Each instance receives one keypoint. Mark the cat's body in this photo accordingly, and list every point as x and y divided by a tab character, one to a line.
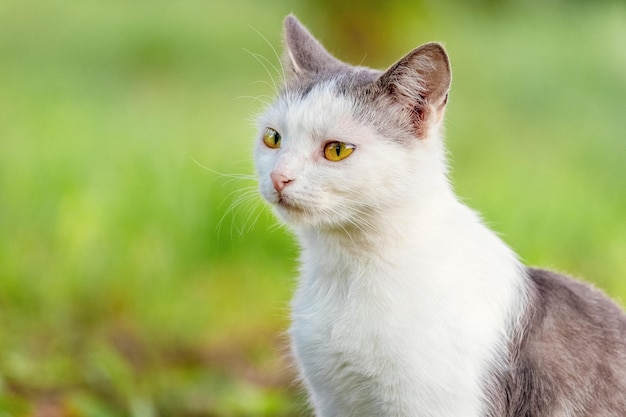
407	305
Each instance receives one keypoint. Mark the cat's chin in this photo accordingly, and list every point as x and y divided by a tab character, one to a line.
291	213
297	217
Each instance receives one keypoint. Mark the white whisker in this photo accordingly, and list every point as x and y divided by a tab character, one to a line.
244	198
247	201
274	226
258	58
280	63
256	98
280	74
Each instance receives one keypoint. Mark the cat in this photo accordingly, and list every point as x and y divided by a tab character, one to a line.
406	303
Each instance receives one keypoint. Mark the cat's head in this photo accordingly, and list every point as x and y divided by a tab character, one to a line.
341	144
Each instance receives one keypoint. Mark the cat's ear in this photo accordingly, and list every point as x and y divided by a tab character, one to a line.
420	82
304	55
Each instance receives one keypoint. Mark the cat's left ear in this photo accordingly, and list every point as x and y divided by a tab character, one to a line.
304	55
420	82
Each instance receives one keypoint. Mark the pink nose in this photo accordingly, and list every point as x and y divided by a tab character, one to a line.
279	180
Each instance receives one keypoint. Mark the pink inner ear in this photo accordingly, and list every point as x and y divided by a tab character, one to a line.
423	75
420	117
420	82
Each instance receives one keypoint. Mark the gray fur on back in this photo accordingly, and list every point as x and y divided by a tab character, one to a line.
568	357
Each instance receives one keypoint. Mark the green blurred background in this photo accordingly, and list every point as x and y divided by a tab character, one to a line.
136	282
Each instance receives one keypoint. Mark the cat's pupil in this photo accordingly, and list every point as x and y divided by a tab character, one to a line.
338	149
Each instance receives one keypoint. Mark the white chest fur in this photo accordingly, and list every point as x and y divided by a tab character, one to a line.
409	327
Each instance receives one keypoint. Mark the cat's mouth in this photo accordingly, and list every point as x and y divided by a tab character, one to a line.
288	204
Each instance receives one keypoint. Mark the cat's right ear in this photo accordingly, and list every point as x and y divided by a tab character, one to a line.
304	55
420	83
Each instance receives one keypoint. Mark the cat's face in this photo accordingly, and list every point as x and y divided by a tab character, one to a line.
342	144
328	167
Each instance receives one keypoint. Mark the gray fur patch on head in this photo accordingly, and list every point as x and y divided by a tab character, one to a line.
402	102
347	80
372	105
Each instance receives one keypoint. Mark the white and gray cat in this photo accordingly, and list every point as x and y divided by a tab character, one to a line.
407	305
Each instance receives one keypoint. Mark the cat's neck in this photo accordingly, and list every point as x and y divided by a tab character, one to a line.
436	238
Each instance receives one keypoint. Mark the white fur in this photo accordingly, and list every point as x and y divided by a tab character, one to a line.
405	299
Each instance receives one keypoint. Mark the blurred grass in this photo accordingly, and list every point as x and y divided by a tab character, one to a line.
128	286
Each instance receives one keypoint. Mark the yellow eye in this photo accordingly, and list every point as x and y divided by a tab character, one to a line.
336	151
271	138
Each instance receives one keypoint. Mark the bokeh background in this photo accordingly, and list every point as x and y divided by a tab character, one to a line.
140	275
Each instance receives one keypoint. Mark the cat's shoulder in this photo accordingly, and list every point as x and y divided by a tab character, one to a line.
555	297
